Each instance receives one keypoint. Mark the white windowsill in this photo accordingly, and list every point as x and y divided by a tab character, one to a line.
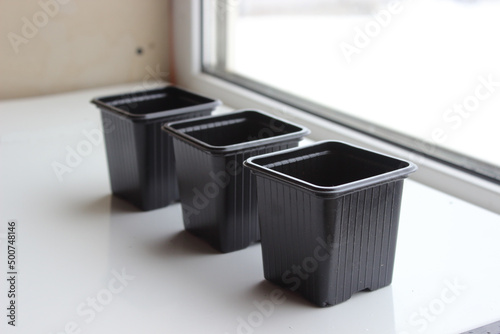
73	234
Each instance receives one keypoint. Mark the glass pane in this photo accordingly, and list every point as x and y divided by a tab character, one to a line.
426	69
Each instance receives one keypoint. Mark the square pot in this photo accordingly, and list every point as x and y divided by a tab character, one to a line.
140	156
329	215
217	194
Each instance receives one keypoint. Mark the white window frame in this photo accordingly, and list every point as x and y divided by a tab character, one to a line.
185	44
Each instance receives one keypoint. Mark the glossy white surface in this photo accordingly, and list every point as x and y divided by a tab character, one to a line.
74	237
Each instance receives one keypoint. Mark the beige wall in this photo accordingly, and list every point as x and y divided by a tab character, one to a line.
51	46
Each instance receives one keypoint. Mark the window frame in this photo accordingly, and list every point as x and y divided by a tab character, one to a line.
186	67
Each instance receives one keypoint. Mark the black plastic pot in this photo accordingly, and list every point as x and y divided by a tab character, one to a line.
217	195
329	217
140	156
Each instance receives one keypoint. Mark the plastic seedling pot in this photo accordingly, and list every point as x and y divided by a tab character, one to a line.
217	194
329	215
140	156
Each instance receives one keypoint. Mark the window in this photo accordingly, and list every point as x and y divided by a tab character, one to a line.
205	34
423	74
